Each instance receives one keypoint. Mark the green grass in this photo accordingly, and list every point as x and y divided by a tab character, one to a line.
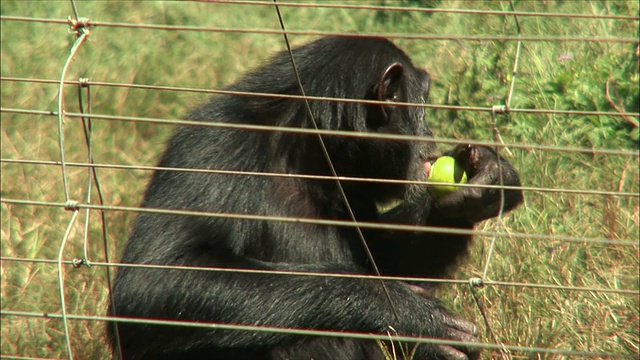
552	75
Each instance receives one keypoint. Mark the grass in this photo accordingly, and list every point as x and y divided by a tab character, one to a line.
551	75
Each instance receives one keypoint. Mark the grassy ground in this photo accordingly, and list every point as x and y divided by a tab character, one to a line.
551	75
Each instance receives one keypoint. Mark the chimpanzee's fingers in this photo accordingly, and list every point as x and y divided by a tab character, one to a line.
461	325
450	353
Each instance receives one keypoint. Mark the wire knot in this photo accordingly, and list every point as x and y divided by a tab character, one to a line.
72	205
76	263
83	82
79	26
476	282
499	109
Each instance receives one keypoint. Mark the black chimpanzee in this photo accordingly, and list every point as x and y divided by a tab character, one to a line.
337	67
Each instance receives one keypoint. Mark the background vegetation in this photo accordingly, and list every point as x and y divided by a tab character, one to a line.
552	75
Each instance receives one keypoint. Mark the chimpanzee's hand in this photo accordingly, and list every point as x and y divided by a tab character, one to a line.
483	168
456	329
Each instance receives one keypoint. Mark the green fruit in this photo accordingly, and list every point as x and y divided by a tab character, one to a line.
445	170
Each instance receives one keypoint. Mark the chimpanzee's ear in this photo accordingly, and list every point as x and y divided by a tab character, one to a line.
388	86
389	82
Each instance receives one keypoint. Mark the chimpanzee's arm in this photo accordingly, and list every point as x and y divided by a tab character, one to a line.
285	301
432	253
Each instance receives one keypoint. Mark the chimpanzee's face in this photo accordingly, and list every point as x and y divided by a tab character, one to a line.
389	158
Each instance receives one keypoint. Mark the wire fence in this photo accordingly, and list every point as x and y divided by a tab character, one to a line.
90	192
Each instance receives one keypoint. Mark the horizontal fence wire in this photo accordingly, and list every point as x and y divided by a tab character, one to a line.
329	33
317	177
325	333
301	220
78	262
357	134
329	99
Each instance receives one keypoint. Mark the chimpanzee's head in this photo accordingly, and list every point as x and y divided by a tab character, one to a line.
352	68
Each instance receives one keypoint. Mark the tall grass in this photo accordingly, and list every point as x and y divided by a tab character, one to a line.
552	75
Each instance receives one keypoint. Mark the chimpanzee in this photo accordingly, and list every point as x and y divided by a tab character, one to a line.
355	68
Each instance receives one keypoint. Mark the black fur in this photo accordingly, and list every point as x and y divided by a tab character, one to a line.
354	68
